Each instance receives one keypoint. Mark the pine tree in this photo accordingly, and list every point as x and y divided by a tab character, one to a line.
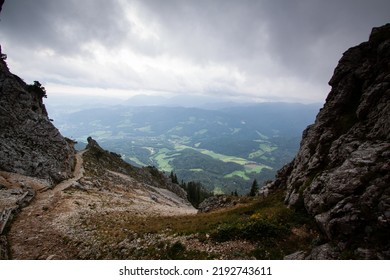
254	188
173	178
196	193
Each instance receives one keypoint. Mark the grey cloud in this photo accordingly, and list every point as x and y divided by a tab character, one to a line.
63	25
303	36
203	29
209	30
309	36
297	39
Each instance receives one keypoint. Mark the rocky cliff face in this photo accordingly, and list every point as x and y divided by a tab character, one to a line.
29	142
341	174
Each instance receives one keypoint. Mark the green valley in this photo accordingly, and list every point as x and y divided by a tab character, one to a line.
224	149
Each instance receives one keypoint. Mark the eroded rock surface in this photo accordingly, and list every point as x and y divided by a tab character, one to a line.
341	174
29	143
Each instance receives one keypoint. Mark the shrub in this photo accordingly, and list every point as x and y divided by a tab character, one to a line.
263	224
255	230
38	89
176	251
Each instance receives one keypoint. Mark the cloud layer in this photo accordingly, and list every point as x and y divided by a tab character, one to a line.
250	50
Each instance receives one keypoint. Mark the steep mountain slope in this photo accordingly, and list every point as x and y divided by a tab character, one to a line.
30	145
341	173
46	189
103	187
29	142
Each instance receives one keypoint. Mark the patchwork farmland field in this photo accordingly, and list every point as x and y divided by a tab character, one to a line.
224	149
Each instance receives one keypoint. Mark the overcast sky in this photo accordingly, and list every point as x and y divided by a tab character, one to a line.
264	50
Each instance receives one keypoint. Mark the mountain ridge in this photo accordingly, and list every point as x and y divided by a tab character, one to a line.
30	143
45	187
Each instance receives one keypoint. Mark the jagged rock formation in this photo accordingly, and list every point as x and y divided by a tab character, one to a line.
29	142
341	174
217	202
29	145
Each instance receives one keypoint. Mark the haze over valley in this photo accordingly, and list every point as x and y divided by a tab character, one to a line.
224	148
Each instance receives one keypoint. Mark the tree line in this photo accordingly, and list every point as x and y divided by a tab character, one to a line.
196	192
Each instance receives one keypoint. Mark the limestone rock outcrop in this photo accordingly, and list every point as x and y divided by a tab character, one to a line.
29	142
341	174
217	202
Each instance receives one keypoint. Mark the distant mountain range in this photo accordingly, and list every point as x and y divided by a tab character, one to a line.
223	148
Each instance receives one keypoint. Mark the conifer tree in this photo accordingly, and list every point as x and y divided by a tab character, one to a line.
254	188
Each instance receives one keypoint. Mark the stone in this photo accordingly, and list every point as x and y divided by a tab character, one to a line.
29	142
341	173
300	255
217	202
3	248
324	252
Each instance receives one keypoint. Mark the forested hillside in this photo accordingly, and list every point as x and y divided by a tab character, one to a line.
224	149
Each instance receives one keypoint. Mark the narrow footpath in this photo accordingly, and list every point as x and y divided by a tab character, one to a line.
32	234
